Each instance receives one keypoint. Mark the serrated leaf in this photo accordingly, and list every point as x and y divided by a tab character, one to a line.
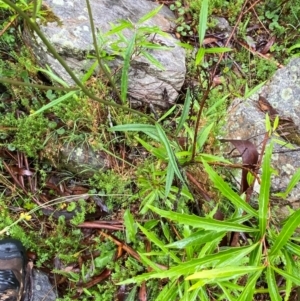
198	238
202	222
125	69
272	285
224	272
264	193
227	257
286	232
227	192
154	239
150	15
185	110
172	159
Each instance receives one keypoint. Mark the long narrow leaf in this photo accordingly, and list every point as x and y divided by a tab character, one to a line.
289	266
125	69
248	291
272	285
294	278
54	103
264	193
226	292
226	257
202	222
185	110
199	238
203	21
293	182
203	136
227	192
150	15
133	127
169	179
165	141
286	232
224	272
158	243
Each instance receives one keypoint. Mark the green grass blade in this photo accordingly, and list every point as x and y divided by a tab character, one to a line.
226	292
293	182
203	136
264	194
227	257
159	243
125	69
202	21
288	276
272	285
198	238
133	127
286	232
169	179
202	222
130	226
224	272
185	110
249	289
169	292
217	50
227	192
120	27
54	103
289	266
152	60
149	15
165	141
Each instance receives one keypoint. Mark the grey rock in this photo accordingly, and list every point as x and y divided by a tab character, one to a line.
246	121
222	25
70	33
81	160
41	287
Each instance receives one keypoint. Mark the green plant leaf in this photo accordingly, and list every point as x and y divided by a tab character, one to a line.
203	136
169	292
249	289
123	24
132	295
227	192
169	179
54	103
159	243
227	257
249	93
202	21
293	182
286	232
152	60
226	292
199	56
125	69
289	266
202	222
294	278
130	226
264	193
185	110
224	272
150	15
165	141
217	50
272	285
198	238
